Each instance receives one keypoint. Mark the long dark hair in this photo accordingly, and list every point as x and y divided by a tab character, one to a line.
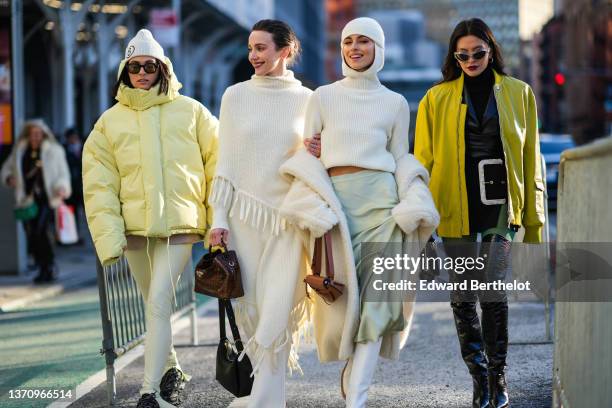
282	35
476	27
163	79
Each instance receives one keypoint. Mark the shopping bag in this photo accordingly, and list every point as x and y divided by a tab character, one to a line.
65	225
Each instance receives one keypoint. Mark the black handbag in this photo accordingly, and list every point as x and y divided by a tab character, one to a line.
233	375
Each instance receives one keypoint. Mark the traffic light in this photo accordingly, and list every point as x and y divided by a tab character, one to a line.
559	79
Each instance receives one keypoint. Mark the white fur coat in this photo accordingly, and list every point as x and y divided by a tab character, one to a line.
312	205
56	174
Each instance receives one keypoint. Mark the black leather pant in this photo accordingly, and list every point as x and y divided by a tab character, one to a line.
490	334
37	231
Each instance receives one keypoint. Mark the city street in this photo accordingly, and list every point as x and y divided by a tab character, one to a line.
429	374
50	344
484	125
54	342
66	326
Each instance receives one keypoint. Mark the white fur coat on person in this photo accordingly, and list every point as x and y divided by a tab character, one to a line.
56	175
313	207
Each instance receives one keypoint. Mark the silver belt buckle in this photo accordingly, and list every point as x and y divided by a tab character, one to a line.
482	182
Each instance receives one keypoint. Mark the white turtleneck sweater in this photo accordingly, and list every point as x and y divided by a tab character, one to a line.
362	123
260	127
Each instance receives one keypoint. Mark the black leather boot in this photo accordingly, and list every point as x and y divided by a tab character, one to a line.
480	393
50	273
498	389
495	332
472	350
41	277
494	306
46	274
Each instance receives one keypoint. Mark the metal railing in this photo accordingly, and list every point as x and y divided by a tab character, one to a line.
123	314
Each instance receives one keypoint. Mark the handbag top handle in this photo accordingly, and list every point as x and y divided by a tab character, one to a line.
223	246
329	257
223	306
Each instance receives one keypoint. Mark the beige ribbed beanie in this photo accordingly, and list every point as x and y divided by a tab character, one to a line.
143	44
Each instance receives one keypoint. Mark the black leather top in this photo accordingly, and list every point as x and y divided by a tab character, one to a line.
483	141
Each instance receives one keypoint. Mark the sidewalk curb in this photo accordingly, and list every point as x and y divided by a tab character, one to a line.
98	378
46	293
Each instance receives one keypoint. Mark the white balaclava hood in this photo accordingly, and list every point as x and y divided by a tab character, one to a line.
370	28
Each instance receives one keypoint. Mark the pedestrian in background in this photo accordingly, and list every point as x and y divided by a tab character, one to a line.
74	155
261	126
477	135
147	168
378	189
38	172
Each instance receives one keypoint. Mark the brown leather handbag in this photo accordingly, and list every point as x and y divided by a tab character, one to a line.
218	275
325	286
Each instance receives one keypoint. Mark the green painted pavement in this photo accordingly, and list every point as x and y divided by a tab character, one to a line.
53	344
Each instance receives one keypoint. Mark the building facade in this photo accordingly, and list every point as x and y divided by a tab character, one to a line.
442	16
587	64
339	12
573	70
62	58
549	85
308	20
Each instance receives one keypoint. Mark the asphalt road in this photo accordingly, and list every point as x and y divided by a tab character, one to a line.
428	374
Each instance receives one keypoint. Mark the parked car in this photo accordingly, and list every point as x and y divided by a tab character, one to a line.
551	147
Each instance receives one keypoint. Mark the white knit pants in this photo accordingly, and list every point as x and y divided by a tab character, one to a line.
152	268
269	385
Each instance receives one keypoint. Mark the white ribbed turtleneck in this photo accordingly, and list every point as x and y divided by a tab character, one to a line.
260	126
361	83
362	123
287	80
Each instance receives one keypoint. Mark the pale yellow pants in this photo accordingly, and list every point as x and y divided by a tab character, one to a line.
153	267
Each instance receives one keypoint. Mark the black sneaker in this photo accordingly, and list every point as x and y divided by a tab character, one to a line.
171	385
147	401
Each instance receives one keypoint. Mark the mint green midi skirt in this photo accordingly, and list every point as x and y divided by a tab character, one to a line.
367	198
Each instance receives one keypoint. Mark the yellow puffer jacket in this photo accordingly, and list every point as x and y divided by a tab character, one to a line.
147	168
440	146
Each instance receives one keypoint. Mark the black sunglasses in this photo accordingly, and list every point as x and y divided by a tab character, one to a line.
149	67
465	57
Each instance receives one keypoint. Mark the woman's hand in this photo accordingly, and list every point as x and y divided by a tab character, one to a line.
313	145
61	193
11	181
218	236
